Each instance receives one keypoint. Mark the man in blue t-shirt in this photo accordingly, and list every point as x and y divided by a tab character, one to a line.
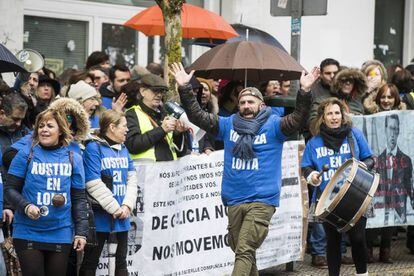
253	141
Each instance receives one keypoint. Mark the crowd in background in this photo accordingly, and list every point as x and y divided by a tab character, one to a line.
111	115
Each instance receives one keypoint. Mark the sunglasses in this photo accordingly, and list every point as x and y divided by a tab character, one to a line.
347	80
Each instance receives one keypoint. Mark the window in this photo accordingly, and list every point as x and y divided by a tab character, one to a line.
62	42
119	43
389	31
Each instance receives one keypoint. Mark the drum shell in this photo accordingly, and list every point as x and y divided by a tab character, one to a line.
353	199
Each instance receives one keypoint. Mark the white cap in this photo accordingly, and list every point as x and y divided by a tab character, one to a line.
82	91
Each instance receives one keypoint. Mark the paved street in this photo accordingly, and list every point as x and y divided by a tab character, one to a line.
403	264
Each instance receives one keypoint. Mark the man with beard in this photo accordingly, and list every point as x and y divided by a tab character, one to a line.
119	75
253	141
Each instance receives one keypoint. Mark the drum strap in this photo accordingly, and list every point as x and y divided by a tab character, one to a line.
351	144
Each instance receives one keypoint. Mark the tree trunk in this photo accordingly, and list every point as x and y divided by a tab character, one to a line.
171	10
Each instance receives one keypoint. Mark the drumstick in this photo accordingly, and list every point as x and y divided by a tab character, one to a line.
324	169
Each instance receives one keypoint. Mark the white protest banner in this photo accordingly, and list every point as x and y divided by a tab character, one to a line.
387	133
183	223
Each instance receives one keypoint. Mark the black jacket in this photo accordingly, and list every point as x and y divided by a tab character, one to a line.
136	142
209	122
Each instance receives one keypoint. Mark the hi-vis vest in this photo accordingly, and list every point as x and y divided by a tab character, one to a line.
145	125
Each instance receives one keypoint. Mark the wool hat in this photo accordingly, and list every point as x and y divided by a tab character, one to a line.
82	91
251	91
207	82
154	82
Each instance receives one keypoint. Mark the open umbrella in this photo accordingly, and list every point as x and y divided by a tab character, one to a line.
248	61
8	62
196	22
255	34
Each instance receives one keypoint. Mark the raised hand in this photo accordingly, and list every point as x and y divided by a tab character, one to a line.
307	80
119	104
180	75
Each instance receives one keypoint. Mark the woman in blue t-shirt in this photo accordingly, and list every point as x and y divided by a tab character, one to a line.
111	182
48	193
330	146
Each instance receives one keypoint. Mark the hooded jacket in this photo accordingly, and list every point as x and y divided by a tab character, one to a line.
371	107
352	101
72	107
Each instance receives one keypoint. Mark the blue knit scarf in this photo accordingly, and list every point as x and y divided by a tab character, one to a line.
247	129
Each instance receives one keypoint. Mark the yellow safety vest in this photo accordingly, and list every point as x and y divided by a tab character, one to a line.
145	125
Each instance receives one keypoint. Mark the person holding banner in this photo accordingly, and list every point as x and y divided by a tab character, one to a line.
48	193
107	157
331	144
253	141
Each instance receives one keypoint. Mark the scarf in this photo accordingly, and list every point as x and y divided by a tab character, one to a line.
247	129
333	138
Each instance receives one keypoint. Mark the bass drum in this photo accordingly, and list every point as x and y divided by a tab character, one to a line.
347	195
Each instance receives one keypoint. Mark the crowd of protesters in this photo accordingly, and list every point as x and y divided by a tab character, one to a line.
55	129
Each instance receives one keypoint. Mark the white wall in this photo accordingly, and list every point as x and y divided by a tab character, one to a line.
346	33
11	29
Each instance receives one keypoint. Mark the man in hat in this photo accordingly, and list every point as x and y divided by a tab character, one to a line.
152	134
253	141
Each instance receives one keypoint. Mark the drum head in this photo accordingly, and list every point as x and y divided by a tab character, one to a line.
336	187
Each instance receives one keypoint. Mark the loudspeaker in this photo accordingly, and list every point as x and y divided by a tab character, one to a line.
31	59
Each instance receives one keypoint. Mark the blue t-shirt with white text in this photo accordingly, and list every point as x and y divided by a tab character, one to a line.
101	158
49	172
316	155
256	180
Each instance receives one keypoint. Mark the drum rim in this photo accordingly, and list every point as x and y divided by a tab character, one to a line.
364	205
320	212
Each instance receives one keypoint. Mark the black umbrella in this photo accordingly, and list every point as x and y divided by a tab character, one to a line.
8	62
255	35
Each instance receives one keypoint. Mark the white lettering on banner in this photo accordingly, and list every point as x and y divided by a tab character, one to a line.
114	163
240	164
51	169
182	227
324	151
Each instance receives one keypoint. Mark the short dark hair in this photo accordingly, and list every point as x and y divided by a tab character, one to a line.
155	68
402	79
118	67
11	102
78	76
410	68
394	117
328	61
96	58
98	67
132	91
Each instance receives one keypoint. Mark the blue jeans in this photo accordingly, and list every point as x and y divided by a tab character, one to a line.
317	240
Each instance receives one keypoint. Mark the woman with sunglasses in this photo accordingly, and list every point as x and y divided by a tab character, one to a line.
349	85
